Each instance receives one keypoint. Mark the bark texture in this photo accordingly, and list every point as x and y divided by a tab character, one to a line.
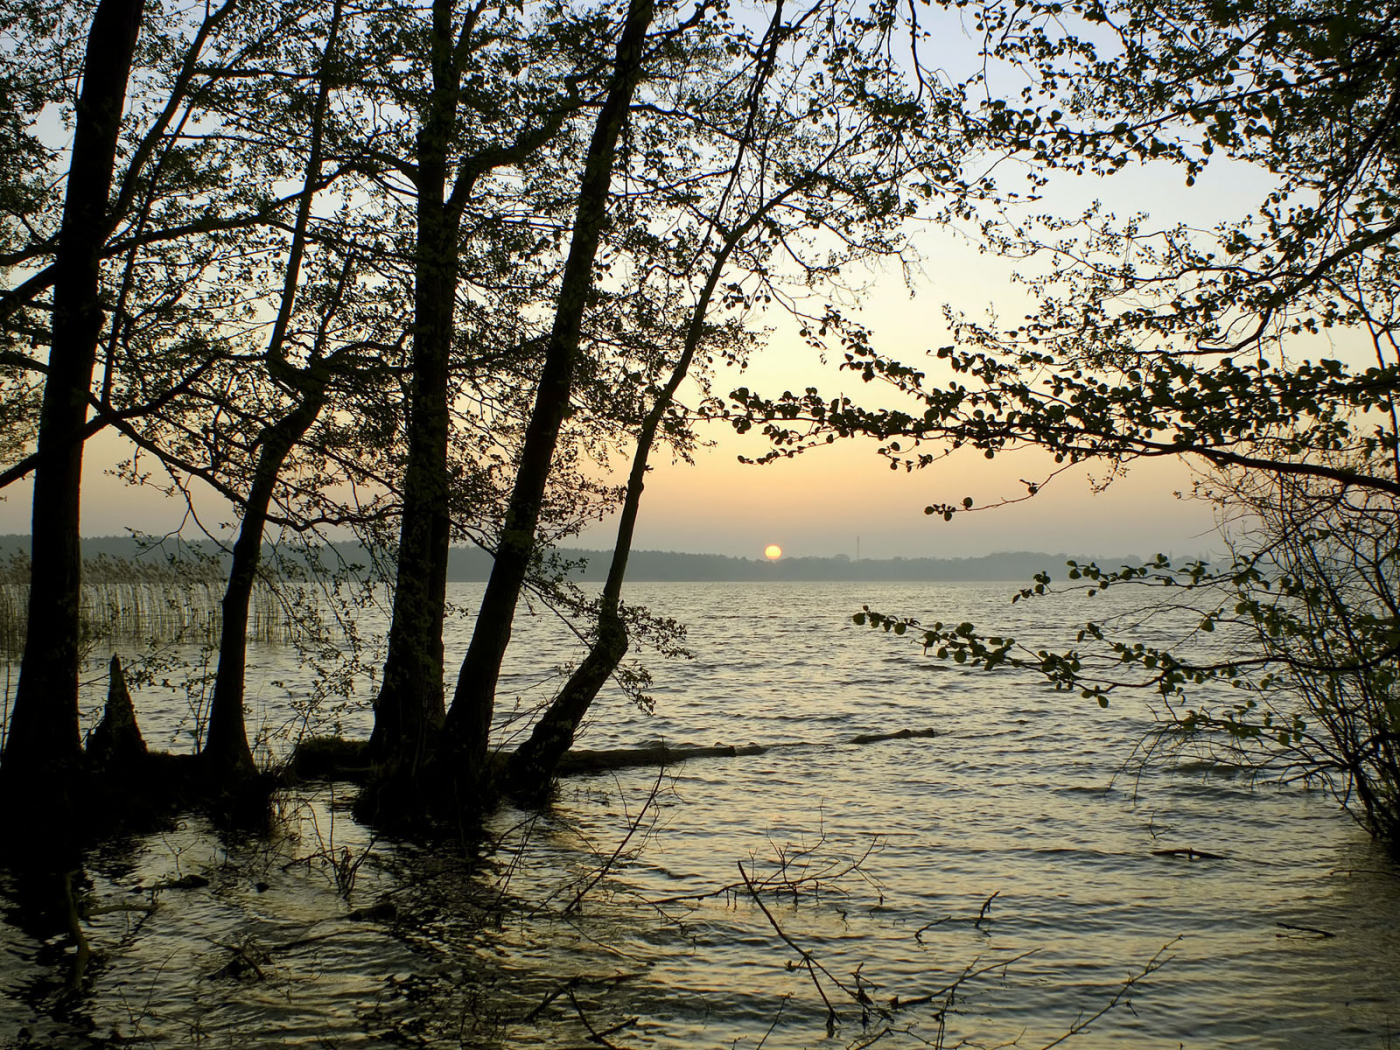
410	705
43	748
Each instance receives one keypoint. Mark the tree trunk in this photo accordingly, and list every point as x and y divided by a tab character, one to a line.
116	746
226	752
469	722
410	704
532	766
43	747
410	710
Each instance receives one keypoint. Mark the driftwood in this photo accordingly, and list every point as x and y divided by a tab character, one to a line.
902	734
1303	929
1188	853
331	758
575	762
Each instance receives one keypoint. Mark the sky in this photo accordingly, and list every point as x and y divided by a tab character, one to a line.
845	499
840	499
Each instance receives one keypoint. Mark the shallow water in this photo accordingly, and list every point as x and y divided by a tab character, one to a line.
879	859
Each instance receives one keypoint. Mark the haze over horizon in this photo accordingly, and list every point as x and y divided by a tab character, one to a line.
803	506
838	500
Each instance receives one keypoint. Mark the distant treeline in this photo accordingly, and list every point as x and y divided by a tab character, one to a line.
668	565
470	564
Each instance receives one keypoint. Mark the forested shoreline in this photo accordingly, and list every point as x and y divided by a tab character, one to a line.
473	565
458	273
463	273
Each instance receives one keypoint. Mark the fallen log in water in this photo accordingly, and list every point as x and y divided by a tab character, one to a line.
575	762
901	734
1188	853
331	758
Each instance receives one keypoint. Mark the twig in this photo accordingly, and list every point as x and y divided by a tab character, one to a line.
810	963
779	879
82	951
986	905
887	1030
782	1005
601	1038
607	866
1304	929
240	952
970	971
918	934
549	997
1153	965
570	984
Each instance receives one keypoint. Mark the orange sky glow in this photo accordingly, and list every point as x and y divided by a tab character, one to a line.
840	499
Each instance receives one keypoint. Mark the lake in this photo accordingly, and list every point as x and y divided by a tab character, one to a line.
626	914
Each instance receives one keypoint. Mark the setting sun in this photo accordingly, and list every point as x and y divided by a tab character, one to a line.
772	552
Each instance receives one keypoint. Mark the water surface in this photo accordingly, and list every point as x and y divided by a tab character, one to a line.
875	859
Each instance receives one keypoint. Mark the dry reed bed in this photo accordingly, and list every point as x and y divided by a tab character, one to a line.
143	601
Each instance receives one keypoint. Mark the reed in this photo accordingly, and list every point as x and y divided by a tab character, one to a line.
140	602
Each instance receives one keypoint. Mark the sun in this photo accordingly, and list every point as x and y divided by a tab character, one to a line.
772	552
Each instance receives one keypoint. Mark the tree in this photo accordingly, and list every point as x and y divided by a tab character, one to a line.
469	721
226	744
1314	581
461	139
172	256
753	165
1191	343
42	752
799	160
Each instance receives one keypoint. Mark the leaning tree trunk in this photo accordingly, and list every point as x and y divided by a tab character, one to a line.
43	749
469	721
226	753
532	765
